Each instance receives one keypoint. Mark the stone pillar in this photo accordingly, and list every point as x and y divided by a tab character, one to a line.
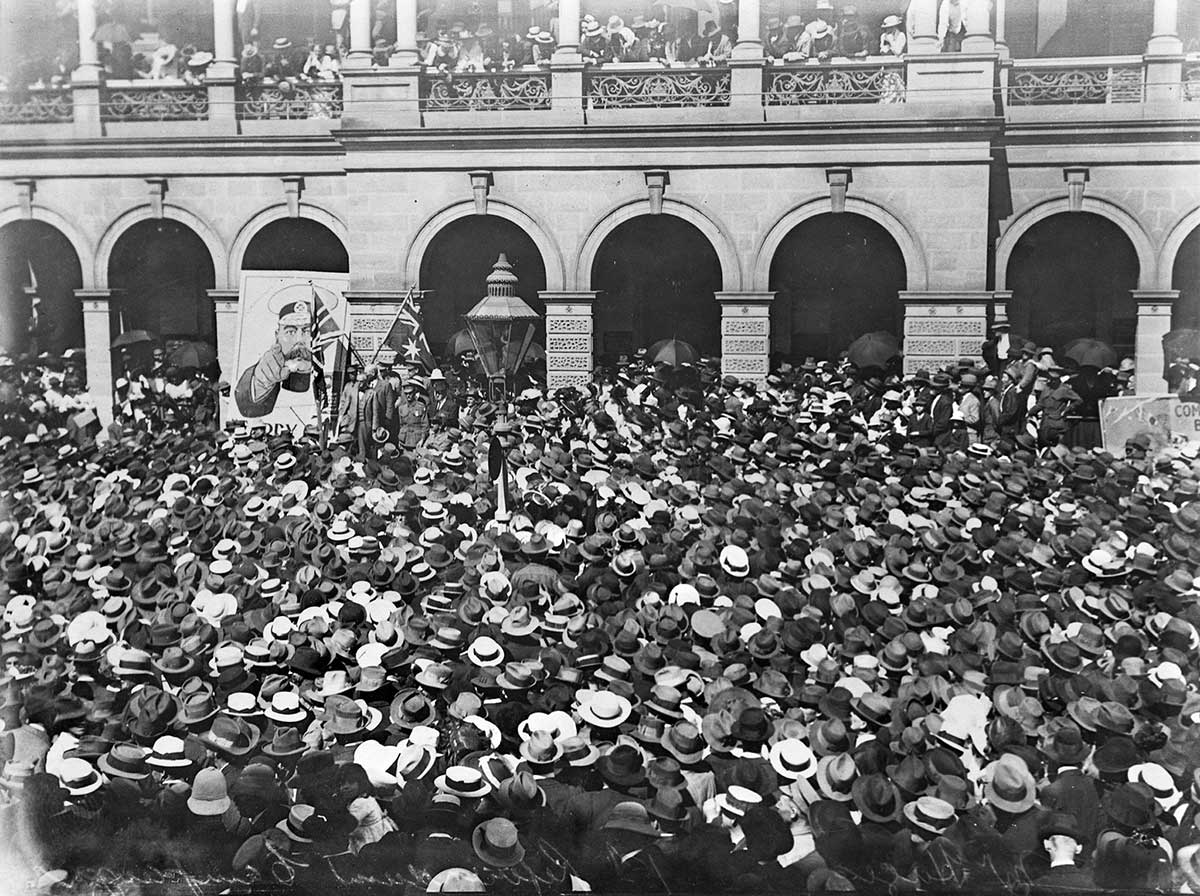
569	346
405	53
566	68
941	327
97	342
568	28
371	316
979	37
922	27
1001	31
88	71
225	307
1000	301
746	334
749	43
746	64
1153	323
221	79
1164	55
360	34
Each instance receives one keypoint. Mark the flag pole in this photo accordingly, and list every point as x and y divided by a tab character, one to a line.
399	309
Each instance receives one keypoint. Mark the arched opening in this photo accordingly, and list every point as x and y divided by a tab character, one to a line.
37	260
655	276
296	244
455	267
160	272
835	277
1071	276
1185	277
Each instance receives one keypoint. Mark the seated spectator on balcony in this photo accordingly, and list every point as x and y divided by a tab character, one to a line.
380	51
444	55
330	68
952	25
718	45
339	23
594	46
197	66
639	49
892	41
165	61
252	62
470	54
819	40
852	37
538	48
619	36
658	45
120	62
775	40
510	50
284	62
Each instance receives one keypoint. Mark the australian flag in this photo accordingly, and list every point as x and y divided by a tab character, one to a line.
407	336
325	332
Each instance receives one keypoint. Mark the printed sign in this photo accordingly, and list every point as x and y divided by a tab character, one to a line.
273	371
1164	419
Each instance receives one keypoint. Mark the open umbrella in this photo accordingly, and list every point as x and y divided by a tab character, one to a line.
1088	352
133	337
459	343
1181	344
111	33
673	352
534	355
191	354
873	349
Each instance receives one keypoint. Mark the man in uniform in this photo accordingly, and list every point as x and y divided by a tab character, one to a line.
286	364
413	414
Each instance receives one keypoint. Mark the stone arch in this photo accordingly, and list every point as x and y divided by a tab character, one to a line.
216	248
551	255
247	232
905	237
83	248
722	242
1171	246
1147	260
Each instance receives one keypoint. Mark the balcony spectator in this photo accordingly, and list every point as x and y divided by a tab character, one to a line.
470	54
165	61
286	60
819	40
380	51
444	55
538	47
718	45
952	25
252	62
383	21
196	66
510	50
249	18
639	49
893	41
594	45
330	66
339	23
120	62
619	36
852	37
775	41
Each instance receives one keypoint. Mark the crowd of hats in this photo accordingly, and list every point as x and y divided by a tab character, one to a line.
720	640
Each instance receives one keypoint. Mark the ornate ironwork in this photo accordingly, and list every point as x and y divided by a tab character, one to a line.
666	89
182	102
291	100
36	106
1191	80
485	92
1075	85
834	84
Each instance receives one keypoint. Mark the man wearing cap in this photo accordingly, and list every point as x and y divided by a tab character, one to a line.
287	364
412	414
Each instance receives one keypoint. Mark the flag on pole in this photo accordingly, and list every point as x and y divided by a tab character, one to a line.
407	336
325	332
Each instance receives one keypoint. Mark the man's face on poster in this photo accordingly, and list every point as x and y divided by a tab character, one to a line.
293	339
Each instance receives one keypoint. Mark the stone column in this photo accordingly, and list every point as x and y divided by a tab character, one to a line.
1153	323
749	43
979	37
1000	301
360	34
1164	55
89	69
922	27
569	346
1001	19
97	339
941	327
225	307
405	53
568	28
746	334
221	79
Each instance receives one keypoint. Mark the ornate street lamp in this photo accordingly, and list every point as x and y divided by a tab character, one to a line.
501	327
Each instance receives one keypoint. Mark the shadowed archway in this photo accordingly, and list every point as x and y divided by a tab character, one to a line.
34	252
296	244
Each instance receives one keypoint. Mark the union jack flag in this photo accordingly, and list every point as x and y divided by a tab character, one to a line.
407	336
325	332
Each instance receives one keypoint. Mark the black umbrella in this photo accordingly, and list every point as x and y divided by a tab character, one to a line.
1183	343
873	349
459	343
133	337
673	352
191	354
1088	352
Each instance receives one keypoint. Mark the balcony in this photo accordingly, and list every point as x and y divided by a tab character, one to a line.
151	101
38	105
1055	82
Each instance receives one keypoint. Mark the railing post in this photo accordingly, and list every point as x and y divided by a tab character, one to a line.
1164	55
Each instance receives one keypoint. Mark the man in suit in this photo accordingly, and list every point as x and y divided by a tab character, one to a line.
1062	841
351	405
442	406
941	412
381	399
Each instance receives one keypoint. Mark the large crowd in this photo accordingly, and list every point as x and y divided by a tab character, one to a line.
712	637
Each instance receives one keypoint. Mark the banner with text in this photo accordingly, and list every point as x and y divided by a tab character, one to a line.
272	380
1164	419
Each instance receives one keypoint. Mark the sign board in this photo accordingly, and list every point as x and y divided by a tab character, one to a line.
271	382
1165	419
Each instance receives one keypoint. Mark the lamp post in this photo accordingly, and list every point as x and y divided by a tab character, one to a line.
501	327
